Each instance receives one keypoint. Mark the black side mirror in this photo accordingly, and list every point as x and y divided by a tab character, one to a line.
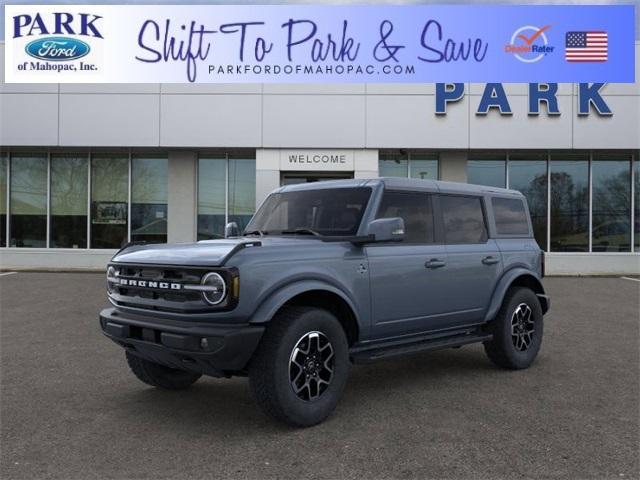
386	229
231	230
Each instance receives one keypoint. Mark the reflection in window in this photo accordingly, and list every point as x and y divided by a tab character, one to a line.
211	197
528	174
569	204
463	219
486	170
510	216
242	191
149	195
611	205
416	211
28	201
3	200
69	201
109	196
423	167
393	164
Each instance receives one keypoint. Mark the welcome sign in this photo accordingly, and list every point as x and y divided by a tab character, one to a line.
327	44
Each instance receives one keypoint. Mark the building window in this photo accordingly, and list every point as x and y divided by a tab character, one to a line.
528	174
68	208
636	189
28	208
483	169
399	163
109	199
149	196
569	203
212	174
242	190
4	165
611	204
226	192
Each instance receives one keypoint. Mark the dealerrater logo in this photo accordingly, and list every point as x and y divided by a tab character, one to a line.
56	38
529	44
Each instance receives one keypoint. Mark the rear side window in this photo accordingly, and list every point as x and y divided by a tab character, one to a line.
463	219
511	216
415	209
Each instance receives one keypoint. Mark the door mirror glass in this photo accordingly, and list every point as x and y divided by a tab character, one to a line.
387	229
231	230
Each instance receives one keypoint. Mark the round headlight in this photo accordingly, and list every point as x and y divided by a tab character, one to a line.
215	290
111	273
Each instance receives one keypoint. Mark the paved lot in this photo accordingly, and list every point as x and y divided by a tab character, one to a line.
71	410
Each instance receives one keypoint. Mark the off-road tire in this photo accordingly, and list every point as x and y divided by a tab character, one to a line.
270	369
502	349
160	376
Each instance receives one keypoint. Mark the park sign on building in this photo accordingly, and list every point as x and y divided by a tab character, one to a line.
319	44
494	97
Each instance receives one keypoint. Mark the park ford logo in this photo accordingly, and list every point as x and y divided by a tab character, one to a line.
57	49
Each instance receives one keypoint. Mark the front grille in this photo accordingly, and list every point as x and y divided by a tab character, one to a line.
154	293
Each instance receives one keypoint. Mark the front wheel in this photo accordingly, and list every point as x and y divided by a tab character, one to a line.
300	368
517	330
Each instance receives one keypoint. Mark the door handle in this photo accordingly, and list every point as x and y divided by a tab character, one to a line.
434	263
490	260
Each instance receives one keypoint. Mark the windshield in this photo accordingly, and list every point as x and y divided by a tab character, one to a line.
327	212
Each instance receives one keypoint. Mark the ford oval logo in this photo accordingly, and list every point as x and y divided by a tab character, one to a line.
57	49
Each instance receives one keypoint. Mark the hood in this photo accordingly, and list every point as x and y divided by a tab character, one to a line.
212	253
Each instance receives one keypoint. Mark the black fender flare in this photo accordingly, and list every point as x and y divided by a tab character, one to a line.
282	295
517	275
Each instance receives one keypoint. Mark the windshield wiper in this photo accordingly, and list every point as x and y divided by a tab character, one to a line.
261	233
302	231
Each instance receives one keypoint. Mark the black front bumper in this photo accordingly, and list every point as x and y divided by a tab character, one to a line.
215	350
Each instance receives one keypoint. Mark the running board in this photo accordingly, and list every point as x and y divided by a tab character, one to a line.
383	352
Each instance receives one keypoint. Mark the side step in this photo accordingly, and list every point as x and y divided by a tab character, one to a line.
424	345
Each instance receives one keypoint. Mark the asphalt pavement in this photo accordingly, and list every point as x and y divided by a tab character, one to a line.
70	409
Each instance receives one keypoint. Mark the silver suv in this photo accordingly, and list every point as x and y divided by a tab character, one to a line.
326	275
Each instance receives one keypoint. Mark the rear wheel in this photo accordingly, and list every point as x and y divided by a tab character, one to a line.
517	330
300	368
160	376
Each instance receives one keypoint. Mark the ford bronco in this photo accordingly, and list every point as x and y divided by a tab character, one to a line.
329	274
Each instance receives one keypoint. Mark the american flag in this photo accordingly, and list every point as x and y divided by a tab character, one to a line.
586	47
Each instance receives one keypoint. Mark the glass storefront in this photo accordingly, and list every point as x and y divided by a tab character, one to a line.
611	204
226	191
580	201
400	163
569	207
68	207
487	169
109	200
28	202
528	174
4	165
149	196
558	186
242	190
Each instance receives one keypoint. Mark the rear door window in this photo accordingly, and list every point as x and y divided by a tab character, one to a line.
416	211
463	219
510	216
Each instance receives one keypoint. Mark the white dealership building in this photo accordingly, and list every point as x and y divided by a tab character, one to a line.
85	168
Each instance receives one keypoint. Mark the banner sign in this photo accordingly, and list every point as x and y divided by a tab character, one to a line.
325	44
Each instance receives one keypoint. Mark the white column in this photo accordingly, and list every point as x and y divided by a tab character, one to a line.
453	166
365	164
267	173
182	196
